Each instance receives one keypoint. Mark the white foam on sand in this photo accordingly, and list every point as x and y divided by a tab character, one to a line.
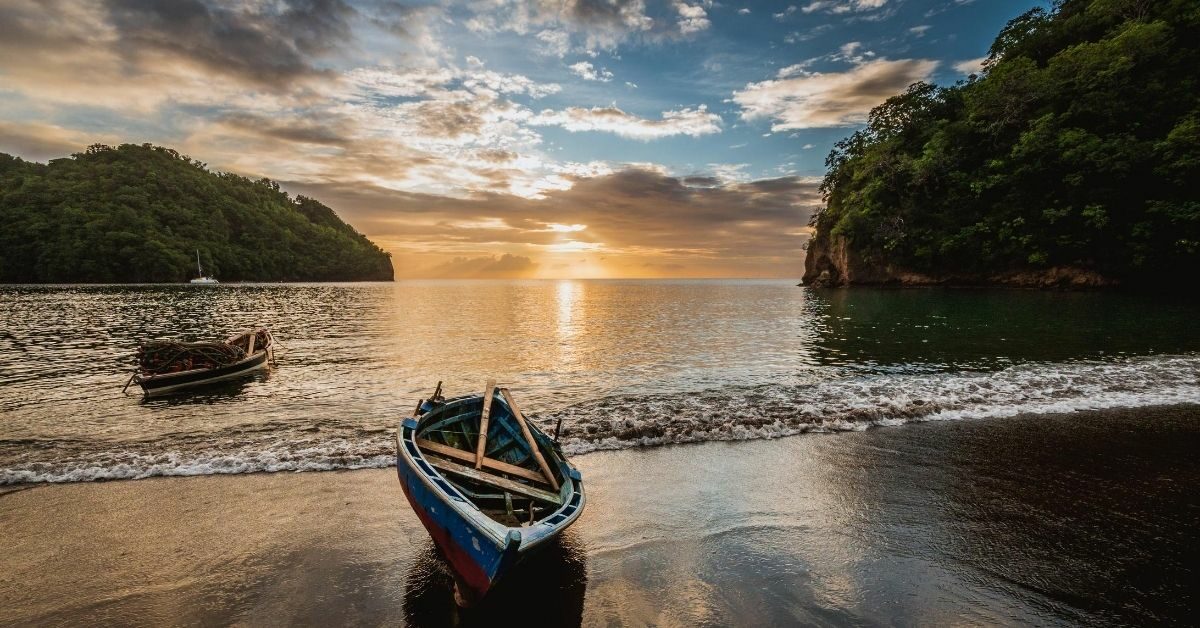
861	402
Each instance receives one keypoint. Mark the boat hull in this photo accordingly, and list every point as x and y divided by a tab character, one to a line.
475	570
154	385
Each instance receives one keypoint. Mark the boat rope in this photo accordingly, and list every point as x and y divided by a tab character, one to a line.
131	378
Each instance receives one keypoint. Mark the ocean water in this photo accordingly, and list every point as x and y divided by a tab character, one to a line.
623	364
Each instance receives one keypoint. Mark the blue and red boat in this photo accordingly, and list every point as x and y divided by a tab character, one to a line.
489	486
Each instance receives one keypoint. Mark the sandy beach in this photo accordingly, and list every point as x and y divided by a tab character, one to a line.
1057	519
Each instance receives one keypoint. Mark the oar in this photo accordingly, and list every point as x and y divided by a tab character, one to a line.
483	422
537	455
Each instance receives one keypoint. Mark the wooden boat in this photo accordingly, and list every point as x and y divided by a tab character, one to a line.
486	501
166	366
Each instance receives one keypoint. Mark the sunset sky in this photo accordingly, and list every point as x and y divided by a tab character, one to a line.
585	138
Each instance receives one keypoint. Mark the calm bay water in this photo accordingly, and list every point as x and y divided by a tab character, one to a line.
623	363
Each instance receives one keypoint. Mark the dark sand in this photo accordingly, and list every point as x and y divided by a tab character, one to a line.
1084	518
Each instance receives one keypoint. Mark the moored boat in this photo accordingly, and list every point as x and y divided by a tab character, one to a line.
201	278
168	366
489	486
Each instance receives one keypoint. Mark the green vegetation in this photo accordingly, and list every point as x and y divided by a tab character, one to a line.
138	214
1078	146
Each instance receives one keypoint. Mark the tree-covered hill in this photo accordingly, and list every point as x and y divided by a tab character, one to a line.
138	214
1075	154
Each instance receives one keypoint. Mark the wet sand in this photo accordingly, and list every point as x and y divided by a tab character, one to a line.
1091	517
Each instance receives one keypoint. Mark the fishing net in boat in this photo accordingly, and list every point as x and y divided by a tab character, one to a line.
164	356
262	340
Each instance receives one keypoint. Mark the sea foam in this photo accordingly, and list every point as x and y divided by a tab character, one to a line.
850	402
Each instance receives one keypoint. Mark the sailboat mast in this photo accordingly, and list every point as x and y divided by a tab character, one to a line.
198	269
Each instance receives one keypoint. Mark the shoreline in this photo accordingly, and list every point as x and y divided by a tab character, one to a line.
652	439
898	516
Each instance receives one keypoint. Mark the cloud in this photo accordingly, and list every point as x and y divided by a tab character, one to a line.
267	44
506	266
141	55
301	131
555	42
708	224
919	31
588	72
970	66
441	130
830	99
691	122
40	142
692	18
794	69
599	24
588	25
809	35
743	11
843	6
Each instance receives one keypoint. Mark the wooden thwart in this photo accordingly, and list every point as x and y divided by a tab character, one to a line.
533	446
494	480
483	422
490	463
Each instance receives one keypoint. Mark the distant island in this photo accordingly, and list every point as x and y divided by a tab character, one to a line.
1073	159
138	213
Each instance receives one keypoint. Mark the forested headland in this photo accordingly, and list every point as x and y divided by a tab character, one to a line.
1072	158
138	213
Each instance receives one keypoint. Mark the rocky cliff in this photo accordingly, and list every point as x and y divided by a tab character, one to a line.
833	262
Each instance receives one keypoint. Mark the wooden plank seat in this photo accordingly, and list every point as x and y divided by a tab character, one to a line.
483	477
489	463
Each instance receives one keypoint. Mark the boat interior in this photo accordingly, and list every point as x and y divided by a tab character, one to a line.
513	474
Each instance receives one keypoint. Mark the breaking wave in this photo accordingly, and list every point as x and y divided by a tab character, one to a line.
847	403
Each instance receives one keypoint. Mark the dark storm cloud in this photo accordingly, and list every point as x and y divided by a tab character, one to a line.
604	13
301	131
701	182
402	19
271	48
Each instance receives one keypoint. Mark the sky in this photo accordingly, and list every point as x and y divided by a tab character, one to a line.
499	138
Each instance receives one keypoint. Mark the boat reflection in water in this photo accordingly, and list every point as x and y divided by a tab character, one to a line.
545	589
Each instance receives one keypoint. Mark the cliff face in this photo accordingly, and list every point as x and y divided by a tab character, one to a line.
833	261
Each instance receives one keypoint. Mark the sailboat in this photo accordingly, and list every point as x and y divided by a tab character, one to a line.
202	279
